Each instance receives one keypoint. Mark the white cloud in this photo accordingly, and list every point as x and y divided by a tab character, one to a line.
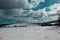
19	13
33	3
54	8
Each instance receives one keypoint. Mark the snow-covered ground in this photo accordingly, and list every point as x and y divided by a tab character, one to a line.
30	33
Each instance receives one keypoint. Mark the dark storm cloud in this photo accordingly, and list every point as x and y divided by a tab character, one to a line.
9	4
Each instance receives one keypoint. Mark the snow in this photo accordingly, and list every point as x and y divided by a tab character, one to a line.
30	33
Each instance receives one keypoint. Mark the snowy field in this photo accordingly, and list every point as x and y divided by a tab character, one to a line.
30	33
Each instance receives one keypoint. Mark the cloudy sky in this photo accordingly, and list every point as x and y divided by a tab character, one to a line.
38	4
29	10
